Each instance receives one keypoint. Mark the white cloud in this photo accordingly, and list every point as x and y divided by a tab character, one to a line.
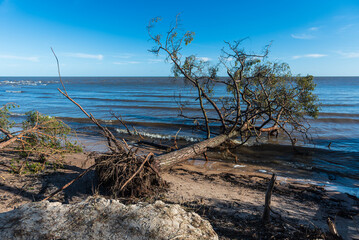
312	55
12	57
312	29
228	59
126	62
349	54
85	55
346	27
302	36
155	60
204	59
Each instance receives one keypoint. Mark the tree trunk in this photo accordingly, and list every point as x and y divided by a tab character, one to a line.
168	160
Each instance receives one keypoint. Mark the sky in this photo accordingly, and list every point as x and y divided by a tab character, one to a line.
110	38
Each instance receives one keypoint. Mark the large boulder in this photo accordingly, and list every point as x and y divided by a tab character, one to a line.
100	218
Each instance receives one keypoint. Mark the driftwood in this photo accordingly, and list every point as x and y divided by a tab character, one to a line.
266	212
333	229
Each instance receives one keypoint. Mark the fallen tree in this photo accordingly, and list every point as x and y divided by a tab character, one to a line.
261	97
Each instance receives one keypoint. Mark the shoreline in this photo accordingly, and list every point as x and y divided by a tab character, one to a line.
229	199
265	158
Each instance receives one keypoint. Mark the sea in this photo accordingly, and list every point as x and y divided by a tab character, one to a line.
151	106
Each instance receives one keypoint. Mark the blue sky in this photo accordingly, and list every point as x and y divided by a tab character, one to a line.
109	38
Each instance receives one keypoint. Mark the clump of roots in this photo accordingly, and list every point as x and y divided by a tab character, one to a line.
123	174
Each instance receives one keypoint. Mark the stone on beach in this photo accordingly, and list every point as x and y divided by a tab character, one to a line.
100	218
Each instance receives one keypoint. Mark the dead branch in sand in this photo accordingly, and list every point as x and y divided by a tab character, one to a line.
266	212
69	183
333	229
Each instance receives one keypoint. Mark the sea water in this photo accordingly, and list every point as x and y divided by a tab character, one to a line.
152	104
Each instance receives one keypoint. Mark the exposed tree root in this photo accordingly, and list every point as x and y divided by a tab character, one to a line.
128	175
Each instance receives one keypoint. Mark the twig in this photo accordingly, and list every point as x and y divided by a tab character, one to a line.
122	122
69	183
137	133
58	70
205	156
175	139
138	170
106	132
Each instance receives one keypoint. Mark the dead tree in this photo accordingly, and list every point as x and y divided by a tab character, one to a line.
261	97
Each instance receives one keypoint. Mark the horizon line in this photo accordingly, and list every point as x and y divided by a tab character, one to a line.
160	76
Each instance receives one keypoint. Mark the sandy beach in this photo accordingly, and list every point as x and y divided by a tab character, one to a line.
231	200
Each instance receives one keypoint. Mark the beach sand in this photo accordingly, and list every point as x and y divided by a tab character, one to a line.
231	200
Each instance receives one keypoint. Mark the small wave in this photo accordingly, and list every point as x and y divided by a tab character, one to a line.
338	105
108	121
149	107
17	114
13	91
338	114
133	123
159	136
26	82
120	100
337	120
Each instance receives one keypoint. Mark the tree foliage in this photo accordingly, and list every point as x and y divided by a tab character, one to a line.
52	135
262	96
41	138
5	122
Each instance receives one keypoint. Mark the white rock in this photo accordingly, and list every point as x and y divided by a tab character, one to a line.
100	218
